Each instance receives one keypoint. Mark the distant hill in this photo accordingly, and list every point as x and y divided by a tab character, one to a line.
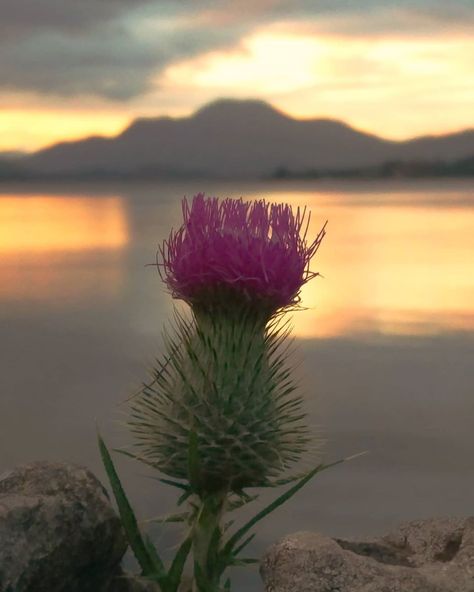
230	138
11	154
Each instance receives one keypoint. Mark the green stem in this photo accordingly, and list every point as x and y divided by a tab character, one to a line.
206	538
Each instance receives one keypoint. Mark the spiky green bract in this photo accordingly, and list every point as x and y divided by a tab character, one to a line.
226	379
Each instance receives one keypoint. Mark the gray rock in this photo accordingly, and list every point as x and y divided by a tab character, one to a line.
58	531
434	555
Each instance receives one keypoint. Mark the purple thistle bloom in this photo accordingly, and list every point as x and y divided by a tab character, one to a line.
254	251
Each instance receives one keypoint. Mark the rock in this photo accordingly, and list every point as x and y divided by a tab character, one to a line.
435	555
58	530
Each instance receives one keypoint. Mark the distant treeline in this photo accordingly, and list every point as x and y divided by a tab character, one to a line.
12	171
393	169
15	171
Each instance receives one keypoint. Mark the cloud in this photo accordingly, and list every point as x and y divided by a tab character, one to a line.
117	48
28	17
105	48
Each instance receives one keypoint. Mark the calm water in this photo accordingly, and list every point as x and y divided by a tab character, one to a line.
386	339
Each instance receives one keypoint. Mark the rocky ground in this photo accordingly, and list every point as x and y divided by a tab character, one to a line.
60	533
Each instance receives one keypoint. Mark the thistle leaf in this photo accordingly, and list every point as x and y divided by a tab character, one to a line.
161	577
175	484
181	517
184	497
150	564
176	569
243	545
229	546
242	501
194	476
244	562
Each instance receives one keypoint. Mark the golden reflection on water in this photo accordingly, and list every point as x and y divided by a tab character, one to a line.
390	269
393	262
43	223
59	249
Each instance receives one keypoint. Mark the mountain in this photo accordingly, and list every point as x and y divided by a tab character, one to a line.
11	154
230	138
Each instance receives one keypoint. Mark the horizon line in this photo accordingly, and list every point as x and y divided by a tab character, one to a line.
25	152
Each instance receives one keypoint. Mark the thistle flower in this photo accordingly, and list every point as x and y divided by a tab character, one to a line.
225	377
253	252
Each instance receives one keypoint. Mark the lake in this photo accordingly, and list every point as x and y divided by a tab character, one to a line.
385	339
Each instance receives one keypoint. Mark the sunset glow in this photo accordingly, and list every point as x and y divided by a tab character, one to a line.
264	65
393	86
33	127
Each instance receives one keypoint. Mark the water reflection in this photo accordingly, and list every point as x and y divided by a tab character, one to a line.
394	261
60	248
42	223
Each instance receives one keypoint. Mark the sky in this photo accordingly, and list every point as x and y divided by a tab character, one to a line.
70	68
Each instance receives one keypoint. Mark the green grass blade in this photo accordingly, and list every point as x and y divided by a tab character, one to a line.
184	497
244	562
193	461
150	565
182	517
226	560
228	547
243	545
242	501
176	570
177	484
160	577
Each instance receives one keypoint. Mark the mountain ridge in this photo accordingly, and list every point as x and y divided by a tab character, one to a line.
232	138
